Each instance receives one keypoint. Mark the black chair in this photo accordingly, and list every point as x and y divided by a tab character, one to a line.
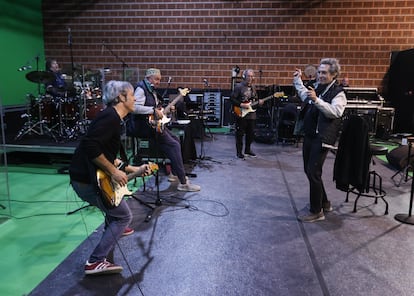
354	156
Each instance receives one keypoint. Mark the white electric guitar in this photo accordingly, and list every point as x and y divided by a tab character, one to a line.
242	112
159	123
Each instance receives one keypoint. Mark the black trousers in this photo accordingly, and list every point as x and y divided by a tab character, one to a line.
314	156
244	127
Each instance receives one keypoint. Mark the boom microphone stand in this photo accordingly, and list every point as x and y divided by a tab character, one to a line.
124	65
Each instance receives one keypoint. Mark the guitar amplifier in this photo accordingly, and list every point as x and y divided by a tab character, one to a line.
212	102
385	123
227	117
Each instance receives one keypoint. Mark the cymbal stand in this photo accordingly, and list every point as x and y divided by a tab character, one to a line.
63	131
82	124
29	127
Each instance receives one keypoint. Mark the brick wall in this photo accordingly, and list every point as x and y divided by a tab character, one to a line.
193	40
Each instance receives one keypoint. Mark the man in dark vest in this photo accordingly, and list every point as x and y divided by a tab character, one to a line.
325	103
148	124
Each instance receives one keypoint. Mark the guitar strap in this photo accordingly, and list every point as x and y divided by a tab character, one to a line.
123	155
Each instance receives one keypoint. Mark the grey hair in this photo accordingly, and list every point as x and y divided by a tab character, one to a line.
244	74
335	68
113	89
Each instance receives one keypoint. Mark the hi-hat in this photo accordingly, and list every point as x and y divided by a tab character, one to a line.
40	77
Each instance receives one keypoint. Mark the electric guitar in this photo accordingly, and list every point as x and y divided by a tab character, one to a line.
112	193
159	123
242	112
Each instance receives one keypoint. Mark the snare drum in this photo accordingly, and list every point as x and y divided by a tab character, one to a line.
93	107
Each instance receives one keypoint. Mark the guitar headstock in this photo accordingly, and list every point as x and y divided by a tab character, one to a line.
184	91
153	166
279	94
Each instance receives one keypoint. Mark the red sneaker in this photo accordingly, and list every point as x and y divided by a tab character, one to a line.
128	231
102	267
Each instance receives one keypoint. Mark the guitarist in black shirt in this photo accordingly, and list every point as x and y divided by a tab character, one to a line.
98	151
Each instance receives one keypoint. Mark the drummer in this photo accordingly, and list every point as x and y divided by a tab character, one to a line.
57	87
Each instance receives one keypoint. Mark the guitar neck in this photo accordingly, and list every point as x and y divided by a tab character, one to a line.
134	175
139	173
264	100
175	101
275	95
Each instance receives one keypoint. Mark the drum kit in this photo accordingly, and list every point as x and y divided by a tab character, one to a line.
65	113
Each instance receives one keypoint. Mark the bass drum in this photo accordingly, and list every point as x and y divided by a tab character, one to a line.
93	107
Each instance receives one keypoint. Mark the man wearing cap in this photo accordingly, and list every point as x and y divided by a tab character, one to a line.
147	104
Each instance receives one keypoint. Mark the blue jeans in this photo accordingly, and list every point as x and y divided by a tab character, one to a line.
116	219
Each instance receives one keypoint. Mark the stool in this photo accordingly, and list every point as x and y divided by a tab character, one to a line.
374	181
405	166
146	149
408	218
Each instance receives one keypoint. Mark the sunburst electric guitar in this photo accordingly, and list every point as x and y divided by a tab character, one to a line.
112	193
242	112
159	123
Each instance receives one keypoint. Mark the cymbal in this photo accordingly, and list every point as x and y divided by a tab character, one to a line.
40	77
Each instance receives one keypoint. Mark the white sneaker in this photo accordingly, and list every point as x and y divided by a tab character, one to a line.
174	178
188	187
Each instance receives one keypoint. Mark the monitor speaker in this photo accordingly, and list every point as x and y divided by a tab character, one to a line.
385	123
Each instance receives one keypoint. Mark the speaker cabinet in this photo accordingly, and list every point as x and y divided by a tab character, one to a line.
385	123
227	117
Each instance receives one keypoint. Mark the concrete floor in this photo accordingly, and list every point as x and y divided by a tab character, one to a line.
240	235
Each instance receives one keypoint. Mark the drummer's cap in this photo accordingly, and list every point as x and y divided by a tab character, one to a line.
152	71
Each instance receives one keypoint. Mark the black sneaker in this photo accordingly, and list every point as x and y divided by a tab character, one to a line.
251	154
240	155
311	217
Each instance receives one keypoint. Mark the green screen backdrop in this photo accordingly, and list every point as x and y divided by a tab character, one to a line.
21	41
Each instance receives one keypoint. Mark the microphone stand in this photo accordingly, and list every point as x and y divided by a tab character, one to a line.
203	125
166	89
124	65
71	54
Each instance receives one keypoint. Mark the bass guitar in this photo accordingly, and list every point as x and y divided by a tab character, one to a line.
242	112
159	123
112	193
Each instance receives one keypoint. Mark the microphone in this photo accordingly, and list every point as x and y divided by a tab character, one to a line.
169	79
206	82
69	36
103	46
